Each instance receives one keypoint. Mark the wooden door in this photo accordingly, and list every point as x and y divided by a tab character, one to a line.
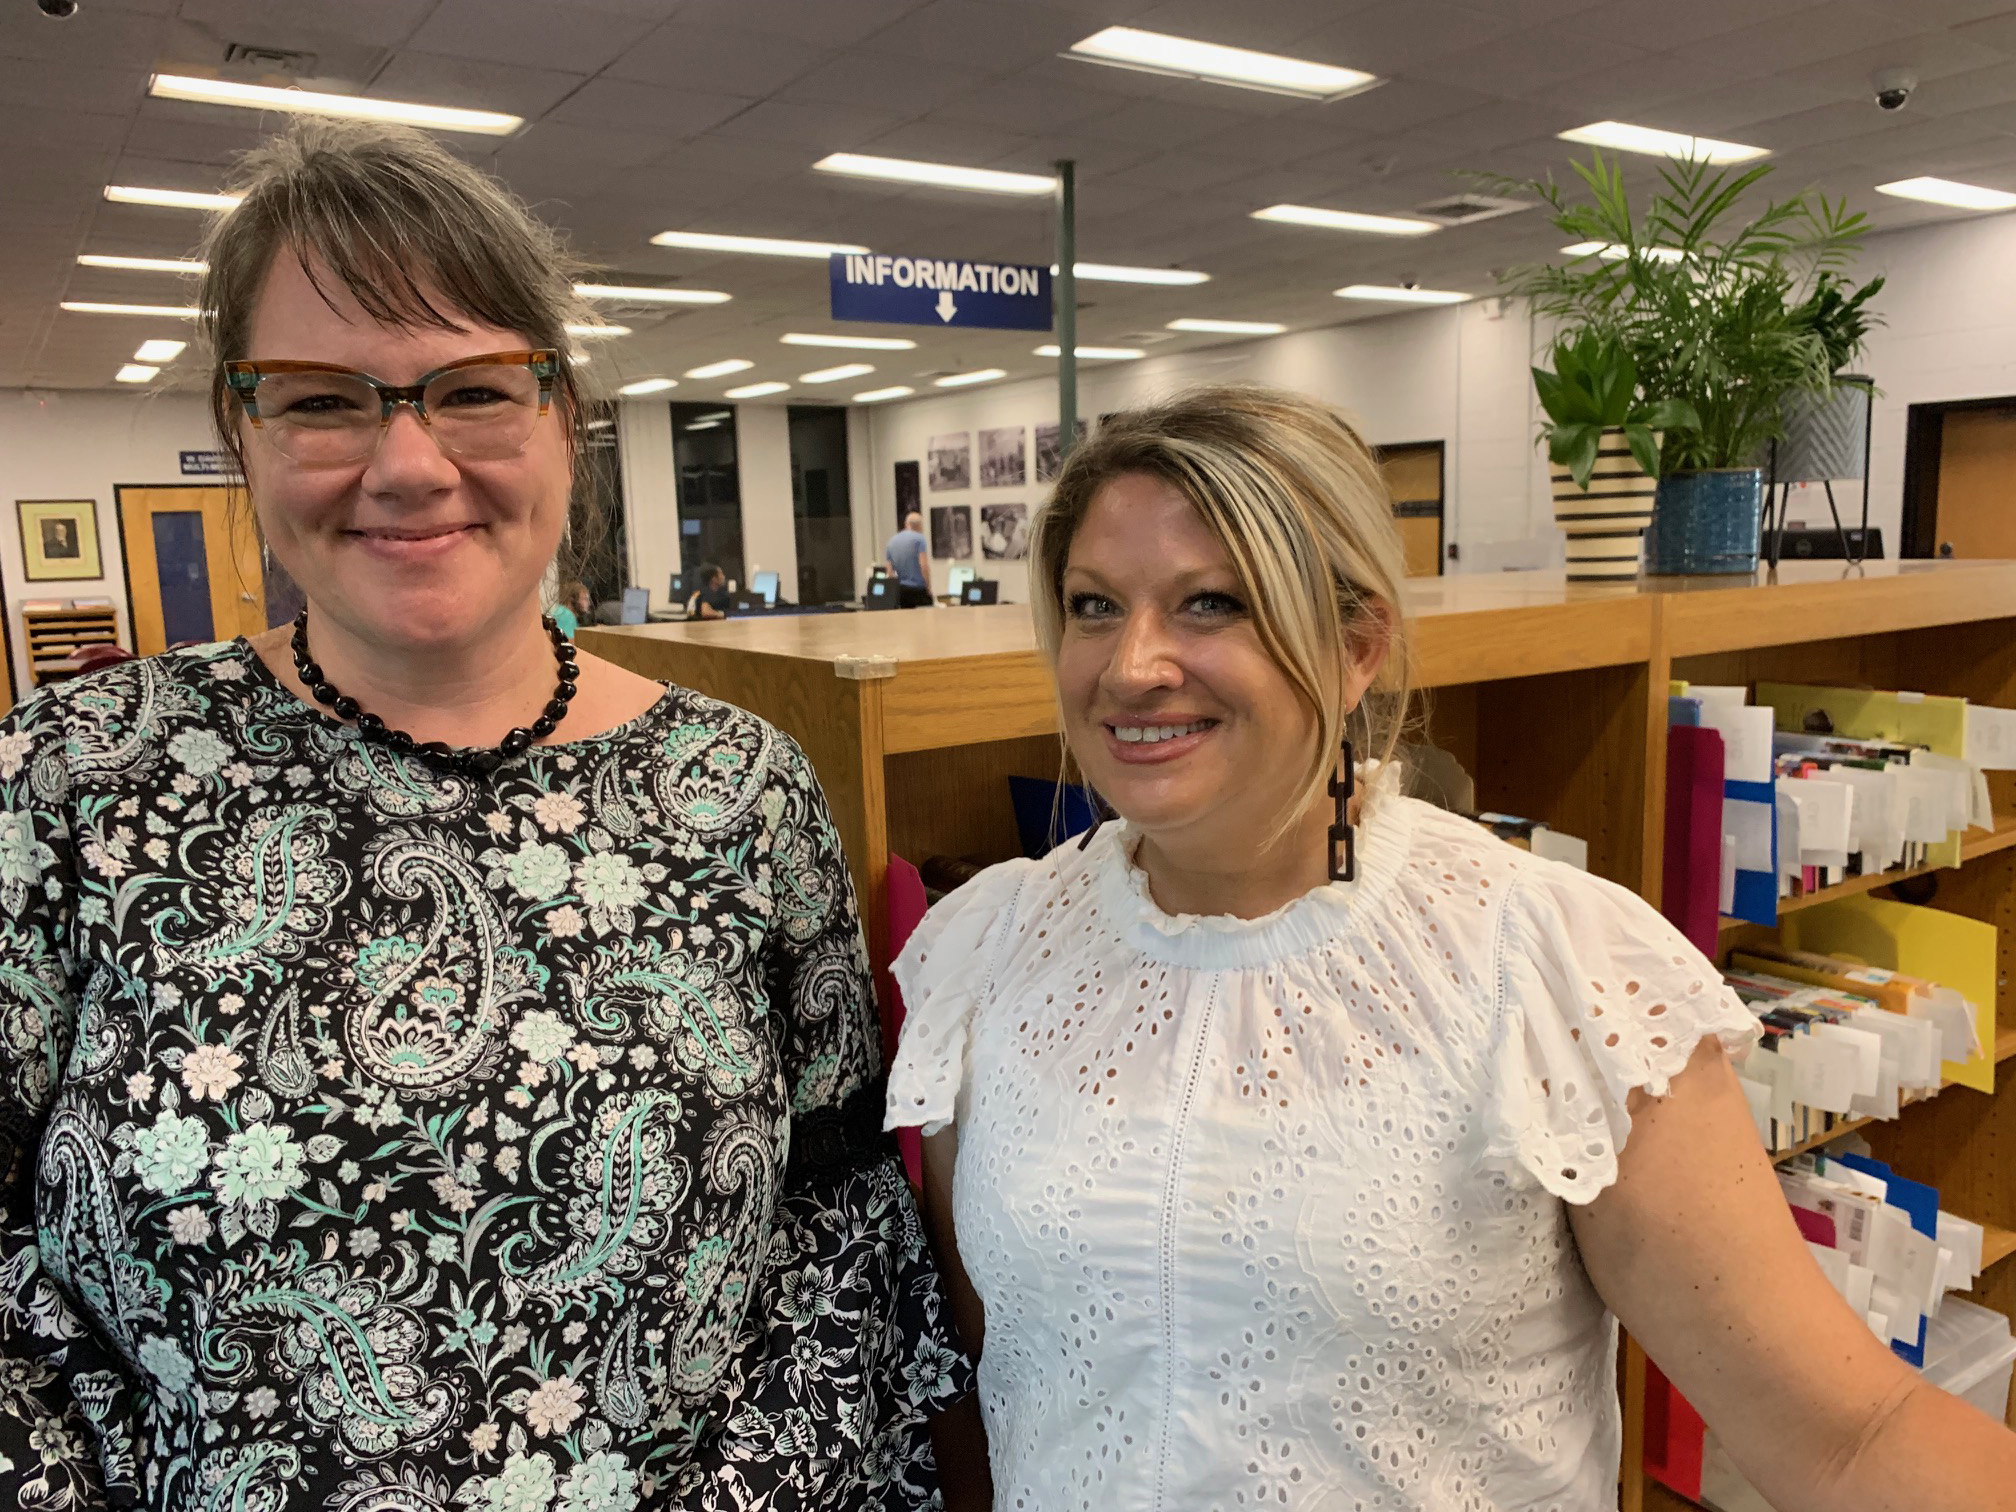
192	566
1977	484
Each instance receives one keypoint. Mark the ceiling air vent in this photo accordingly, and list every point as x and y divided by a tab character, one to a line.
279	60
1463	209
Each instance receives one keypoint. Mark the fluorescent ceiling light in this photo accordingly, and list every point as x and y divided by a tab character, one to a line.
835	374
715	416
1654	143
1215	64
310	102
596	332
135	372
720	369
768	246
1115	354
1230	327
704	425
756	390
1611	252
1400	295
143	264
1346	220
938	175
874	396
1112	273
645	295
173	199
647	386
159	350
88	307
979	375
862	343
1938	191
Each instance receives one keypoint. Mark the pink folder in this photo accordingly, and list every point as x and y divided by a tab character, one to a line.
907	905
1691	894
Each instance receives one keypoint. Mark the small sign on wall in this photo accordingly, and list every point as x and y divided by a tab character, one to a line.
208	464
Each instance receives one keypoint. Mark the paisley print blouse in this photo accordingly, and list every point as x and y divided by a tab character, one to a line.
378	1139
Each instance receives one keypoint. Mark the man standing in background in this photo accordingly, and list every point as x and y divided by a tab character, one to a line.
909	557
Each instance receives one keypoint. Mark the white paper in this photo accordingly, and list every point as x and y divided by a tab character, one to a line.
1555	846
1867	1049
1958	1033
1878	820
1833	1265
1991	738
1721	695
1726	890
1930	800
1746	739
1826	818
1750	826
1790	832
1969	803
1823	1075
1861	1280
1962	1239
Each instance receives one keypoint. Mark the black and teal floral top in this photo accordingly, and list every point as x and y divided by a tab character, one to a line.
379	1140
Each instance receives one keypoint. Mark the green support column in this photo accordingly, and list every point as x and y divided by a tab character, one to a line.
1065	295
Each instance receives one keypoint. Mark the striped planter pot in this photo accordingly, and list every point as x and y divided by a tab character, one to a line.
1606	524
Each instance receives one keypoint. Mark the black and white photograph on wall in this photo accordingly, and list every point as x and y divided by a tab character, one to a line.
1049	456
951	461
1004	460
909	492
1004	532
952	532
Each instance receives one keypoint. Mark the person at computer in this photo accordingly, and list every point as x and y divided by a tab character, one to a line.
908	555
710	600
576	604
1294	1143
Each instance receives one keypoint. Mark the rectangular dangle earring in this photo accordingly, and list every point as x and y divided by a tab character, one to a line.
1343	839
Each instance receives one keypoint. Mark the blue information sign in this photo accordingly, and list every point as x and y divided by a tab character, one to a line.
939	291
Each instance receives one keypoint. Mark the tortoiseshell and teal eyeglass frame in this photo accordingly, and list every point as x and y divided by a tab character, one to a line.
542	363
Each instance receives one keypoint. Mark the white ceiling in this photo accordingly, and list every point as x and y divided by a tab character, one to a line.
707	115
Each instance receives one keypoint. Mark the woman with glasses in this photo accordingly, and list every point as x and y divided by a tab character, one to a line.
437	1067
1302	1142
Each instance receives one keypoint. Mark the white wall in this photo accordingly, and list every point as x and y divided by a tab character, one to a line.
72	444
769	523
1457	375
650	494
1950	307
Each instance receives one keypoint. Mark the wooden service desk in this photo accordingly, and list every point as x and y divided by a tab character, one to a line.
1552	694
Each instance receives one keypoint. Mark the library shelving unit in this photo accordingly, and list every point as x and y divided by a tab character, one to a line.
1553	696
54	636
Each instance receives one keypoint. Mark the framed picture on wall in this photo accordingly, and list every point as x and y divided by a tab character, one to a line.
909	492
1004	532
1004	457
951	461
59	539
1050	455
952	532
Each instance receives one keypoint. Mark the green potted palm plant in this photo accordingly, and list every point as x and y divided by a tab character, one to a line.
1711	296
1602	437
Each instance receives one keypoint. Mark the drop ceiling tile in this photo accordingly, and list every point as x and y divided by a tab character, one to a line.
529	32
1829	123
560	143
1530	59
1804	37
1160	124
997	38
1397	36
1706	19
1058	99
96	34
353	24
1270	28
1997	32
751	162
876	81
664	114
437	80
819	22
949	142
814	129
1399	105
1495	123
1188	171
211	135
1958	93
1627	93
725	59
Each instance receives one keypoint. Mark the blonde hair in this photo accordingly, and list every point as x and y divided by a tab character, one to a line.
1296	498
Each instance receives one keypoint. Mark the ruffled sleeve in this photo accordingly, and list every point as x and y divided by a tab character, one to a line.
944	972
1598	995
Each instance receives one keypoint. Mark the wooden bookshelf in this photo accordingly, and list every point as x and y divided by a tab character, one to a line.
54	637
1553	696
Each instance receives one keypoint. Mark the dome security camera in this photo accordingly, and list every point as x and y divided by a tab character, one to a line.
1893	87
57	10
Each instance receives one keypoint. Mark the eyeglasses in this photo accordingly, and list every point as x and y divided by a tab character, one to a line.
319	415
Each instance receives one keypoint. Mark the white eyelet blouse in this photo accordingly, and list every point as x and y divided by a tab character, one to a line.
1271	1213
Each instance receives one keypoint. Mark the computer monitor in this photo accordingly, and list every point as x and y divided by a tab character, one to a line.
745	602
956	581
881	594
677	592
764	584
981	591
636	606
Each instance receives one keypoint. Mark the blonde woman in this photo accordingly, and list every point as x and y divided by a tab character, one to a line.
1298	1141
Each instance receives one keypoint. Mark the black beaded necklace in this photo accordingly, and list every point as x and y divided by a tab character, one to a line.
470	763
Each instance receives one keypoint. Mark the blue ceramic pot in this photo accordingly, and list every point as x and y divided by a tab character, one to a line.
1706	522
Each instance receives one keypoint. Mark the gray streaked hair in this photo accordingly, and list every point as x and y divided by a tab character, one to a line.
415	235
1296	498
